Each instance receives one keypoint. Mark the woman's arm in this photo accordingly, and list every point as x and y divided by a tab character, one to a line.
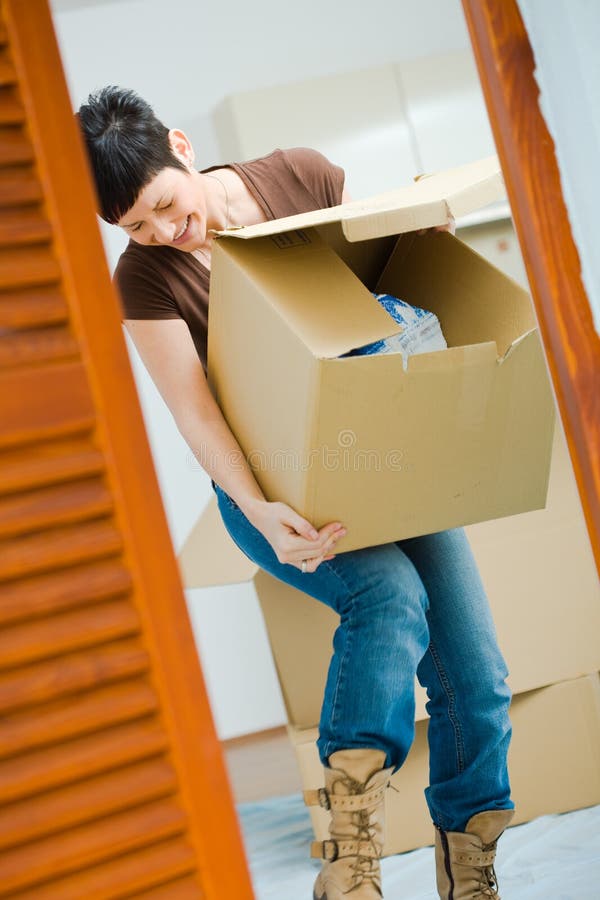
168	353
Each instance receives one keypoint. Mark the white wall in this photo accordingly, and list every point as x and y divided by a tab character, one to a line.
184	57
565	37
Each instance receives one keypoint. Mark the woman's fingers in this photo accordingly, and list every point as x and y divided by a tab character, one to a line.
328	536
293	539
310	560
300	525
313	564
449	226
300	548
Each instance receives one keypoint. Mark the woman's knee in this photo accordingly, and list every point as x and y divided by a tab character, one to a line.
474	684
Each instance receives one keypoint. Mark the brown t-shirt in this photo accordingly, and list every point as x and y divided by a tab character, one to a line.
166	283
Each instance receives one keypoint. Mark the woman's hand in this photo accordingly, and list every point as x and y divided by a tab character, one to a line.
449	226
293	538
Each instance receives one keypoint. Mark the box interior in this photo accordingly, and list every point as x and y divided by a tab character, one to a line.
437	272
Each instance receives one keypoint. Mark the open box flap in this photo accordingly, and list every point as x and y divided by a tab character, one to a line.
209	557
529	336
322	302
427	202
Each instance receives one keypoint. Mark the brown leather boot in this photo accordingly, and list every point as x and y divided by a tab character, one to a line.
465	860
354	791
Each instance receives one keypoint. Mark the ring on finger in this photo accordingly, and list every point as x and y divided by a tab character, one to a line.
304	563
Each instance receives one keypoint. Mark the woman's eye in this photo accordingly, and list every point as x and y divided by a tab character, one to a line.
137	227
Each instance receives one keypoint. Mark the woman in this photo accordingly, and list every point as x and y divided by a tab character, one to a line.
411	606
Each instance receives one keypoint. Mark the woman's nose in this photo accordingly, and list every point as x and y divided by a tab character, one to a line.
164	232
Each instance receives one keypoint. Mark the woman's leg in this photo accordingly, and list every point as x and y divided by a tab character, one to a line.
382	635
464	674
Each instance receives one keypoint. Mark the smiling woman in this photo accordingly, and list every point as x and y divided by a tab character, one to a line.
180	208
406	608
148	186
155	194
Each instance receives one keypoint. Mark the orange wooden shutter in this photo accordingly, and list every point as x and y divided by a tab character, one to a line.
112	781
526	150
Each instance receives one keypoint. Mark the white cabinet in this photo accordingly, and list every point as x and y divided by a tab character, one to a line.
356	119
383	125
445	109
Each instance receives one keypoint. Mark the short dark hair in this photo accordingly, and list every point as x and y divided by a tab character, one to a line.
127	146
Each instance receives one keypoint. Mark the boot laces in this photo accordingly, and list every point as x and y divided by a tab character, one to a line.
364	868
488	884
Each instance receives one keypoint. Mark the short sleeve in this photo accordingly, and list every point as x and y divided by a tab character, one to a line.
323	179
144	291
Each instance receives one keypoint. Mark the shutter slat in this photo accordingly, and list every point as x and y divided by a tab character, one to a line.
44	400
19	184
58	547
89	844
7	69
23	266
23	225
49	462
76	586
69	631
182	889
32	306
32	347
12	111
82	757
70	673
84	801
122	877
15	146
56	505
61	720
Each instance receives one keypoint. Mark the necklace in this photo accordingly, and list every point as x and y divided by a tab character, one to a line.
205	253
216	178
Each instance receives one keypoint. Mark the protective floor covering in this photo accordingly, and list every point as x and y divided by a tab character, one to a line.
551	858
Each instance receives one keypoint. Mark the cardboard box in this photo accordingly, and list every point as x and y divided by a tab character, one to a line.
538	570
554	763
463	435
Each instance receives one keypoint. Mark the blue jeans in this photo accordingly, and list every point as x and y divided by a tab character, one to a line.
415	605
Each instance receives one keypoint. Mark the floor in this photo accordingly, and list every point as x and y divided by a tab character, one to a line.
551	858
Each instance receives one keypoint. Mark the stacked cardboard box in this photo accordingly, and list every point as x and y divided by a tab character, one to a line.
554	763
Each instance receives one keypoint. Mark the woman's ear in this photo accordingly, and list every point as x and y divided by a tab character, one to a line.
182	147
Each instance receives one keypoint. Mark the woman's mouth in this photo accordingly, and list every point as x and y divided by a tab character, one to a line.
181	237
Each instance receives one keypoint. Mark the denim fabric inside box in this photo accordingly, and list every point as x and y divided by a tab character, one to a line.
420	332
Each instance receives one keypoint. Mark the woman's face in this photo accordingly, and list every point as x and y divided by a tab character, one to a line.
171	209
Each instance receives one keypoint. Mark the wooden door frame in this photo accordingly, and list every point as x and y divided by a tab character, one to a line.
506	66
